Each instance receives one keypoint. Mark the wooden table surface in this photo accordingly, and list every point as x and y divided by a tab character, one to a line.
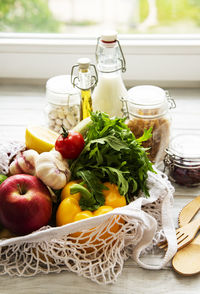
22	105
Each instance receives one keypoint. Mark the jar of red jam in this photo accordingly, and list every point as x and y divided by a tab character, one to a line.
182	160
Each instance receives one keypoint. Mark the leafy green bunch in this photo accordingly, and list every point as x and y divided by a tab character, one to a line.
113	154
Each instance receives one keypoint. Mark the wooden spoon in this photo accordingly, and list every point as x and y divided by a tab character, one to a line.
189	211
187	260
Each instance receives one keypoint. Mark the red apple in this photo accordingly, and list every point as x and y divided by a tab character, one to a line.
25	204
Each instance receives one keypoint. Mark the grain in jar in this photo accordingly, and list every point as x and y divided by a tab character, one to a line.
63	103
148	107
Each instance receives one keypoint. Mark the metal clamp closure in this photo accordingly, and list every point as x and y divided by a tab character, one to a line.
170	100
75	80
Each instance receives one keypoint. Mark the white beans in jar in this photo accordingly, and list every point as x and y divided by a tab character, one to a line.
63	104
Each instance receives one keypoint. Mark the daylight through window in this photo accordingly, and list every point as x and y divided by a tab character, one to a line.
91	16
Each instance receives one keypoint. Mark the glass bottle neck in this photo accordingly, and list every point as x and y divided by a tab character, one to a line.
108	58
84	77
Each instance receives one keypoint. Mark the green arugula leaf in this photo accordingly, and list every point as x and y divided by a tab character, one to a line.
146	135
93	184
111	140
115	175
112	153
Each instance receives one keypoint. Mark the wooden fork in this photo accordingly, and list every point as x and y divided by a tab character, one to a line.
184	235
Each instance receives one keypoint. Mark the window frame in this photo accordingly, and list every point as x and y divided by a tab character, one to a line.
171	60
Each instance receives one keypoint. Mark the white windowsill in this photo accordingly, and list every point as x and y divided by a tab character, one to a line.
164	60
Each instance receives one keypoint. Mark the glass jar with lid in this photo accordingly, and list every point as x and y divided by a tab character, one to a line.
148	107
63	103
182	160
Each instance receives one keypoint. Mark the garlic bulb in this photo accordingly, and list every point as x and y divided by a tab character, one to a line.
52	169
24	163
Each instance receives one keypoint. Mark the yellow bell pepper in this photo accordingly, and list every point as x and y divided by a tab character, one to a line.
112	196
69	210
66	191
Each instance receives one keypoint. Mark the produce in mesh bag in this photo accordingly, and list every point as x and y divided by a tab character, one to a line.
112	154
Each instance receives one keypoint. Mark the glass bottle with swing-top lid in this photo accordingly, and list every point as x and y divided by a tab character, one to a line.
110	87
84	77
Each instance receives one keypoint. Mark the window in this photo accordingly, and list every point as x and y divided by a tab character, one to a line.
42	38
78	16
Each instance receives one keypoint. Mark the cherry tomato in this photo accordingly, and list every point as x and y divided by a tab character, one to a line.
70	144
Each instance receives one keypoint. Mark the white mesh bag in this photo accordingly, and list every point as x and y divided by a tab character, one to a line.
97	248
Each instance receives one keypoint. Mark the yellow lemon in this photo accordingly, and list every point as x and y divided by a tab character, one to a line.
40	138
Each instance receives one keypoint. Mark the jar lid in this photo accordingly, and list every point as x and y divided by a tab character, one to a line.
84	63
60	88
147	95
109	36
185	146
61	84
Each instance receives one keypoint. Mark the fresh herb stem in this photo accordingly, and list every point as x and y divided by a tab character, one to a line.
65	133
77	188
86	197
